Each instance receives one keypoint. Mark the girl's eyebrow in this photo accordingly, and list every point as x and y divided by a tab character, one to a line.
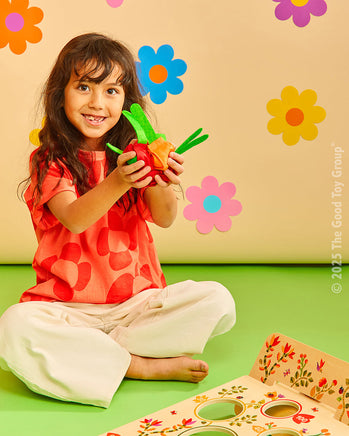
114	84
80	80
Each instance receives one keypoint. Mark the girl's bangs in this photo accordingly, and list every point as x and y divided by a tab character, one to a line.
93	69
97	69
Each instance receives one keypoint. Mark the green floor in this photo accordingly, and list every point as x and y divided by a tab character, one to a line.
294	300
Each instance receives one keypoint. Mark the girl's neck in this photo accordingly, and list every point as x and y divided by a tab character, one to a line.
93	146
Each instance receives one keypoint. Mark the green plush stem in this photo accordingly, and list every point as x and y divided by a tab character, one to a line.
139	115
141	136
161	135
191	142
191	137
118	151
113	148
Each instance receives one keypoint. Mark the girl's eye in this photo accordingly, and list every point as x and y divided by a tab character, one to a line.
83	87
112	91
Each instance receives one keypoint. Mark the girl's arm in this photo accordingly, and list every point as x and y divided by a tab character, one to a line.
78	214
161	199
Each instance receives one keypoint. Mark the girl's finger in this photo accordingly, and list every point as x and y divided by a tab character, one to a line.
174	179
124	157
132	168
142	183
175	166
136	175
177	157
160	181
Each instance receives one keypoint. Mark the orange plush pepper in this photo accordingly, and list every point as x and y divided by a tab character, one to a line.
160	149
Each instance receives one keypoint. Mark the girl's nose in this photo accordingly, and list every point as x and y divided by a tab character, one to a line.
96	101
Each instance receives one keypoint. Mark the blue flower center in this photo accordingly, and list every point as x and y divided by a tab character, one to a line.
212	203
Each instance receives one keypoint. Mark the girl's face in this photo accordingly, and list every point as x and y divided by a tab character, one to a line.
94	108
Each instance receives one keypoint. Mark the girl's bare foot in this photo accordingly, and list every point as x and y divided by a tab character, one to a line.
181	368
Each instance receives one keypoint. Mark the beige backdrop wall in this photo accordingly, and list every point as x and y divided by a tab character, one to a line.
248	64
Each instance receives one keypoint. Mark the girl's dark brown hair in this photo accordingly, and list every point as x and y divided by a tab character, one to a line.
95	55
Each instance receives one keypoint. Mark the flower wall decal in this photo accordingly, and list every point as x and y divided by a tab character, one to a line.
212	205
295	115
34	134
17	25
115	3
299	10
158	72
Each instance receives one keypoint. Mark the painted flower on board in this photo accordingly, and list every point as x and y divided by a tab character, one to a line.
322	382
299	10
302	417
271	395
158	72
295	115
274	341
320	365
17	25
212	205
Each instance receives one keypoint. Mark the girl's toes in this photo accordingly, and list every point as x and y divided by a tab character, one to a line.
200	366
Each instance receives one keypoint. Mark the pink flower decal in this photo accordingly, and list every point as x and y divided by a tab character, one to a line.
212	205
115	3
300	10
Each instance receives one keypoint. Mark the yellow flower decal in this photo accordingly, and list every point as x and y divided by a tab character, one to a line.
200	398
295	115
34	135
17	25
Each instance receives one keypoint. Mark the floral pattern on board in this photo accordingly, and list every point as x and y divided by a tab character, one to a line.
266	365
343	400
158	72
151	426
212	205
295	115
302	376
17	25
299	10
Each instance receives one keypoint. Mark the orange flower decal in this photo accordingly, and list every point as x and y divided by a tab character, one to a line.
271	395
17	25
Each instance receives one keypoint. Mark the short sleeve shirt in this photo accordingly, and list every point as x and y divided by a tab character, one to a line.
112	260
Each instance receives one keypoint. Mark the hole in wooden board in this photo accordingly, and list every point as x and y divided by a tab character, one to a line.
208	431
220	409
280	432
281	409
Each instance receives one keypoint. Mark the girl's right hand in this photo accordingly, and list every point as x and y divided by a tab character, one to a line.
131	174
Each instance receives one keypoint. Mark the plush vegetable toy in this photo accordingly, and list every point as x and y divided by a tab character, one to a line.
152	147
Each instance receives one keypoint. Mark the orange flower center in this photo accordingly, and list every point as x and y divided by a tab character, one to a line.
158	74
294	116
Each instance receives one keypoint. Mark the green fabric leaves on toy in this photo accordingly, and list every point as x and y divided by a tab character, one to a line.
153	144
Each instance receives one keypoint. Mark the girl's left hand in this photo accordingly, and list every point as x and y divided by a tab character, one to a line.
175	169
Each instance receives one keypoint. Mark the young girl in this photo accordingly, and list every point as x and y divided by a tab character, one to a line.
101	310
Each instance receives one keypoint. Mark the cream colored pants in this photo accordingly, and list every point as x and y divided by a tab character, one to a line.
81	352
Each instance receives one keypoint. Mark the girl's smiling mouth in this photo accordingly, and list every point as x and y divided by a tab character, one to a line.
94	120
